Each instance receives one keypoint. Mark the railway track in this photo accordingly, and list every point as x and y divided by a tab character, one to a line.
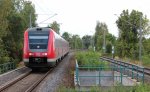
25	83
129	65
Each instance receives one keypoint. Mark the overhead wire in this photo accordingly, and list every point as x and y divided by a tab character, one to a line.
47	18
44	12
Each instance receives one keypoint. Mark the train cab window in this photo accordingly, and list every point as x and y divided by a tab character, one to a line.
38	40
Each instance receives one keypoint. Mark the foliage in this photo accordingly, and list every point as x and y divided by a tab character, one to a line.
108	48
146	60
90	58
66	36
129	24
55	26
101	33
66	89
27	10
14	17
119	88
75	42
87	40
146	46
95	89
141	88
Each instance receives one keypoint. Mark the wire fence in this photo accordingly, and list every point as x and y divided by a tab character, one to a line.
105	73
7	67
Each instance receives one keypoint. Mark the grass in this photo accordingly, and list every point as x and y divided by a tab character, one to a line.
65	89
146	60
119	88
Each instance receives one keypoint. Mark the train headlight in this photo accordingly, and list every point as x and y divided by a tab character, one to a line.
45	54
30	54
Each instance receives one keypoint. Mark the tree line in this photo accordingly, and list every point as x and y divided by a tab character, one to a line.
14	17
125	45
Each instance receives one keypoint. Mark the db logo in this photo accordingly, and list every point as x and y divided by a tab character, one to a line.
37	54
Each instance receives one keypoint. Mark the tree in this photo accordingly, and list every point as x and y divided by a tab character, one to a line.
146	46
128	25
75	42
27	10
110	41
14	17
55	26
87	41
66	36
100	30
6	9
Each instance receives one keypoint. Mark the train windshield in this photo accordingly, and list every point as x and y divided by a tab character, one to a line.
38	40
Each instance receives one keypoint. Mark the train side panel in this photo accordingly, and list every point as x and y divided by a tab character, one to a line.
25	48
52	56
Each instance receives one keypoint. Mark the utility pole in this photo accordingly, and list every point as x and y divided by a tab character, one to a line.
104	44
82	44
30	21
93	44
75	44
140	41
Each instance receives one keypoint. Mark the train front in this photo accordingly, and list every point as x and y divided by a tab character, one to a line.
36	52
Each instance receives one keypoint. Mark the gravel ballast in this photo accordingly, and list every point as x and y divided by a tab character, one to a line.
56	78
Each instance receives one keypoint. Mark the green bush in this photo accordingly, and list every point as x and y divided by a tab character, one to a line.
146	60
89	58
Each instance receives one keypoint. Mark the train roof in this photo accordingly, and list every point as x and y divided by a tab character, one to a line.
39	29
44	29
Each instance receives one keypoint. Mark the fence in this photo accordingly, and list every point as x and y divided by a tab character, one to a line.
134	71
7	67
129	71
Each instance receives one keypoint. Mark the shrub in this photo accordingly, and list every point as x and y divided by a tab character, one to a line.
146	60
89	58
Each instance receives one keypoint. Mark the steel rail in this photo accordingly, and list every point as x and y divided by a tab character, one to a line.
125	64
10	83
32	87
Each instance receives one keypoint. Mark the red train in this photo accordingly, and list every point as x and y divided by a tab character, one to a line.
43	47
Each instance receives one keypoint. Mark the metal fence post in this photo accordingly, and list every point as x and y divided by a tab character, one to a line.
4	68
77	73
143	76
99	76
13	65
128	70
137	73
0	69
117	68
121	73
132	72
123	68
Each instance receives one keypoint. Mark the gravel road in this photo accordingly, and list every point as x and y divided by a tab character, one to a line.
56	77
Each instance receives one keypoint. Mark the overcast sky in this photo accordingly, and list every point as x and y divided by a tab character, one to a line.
80	16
